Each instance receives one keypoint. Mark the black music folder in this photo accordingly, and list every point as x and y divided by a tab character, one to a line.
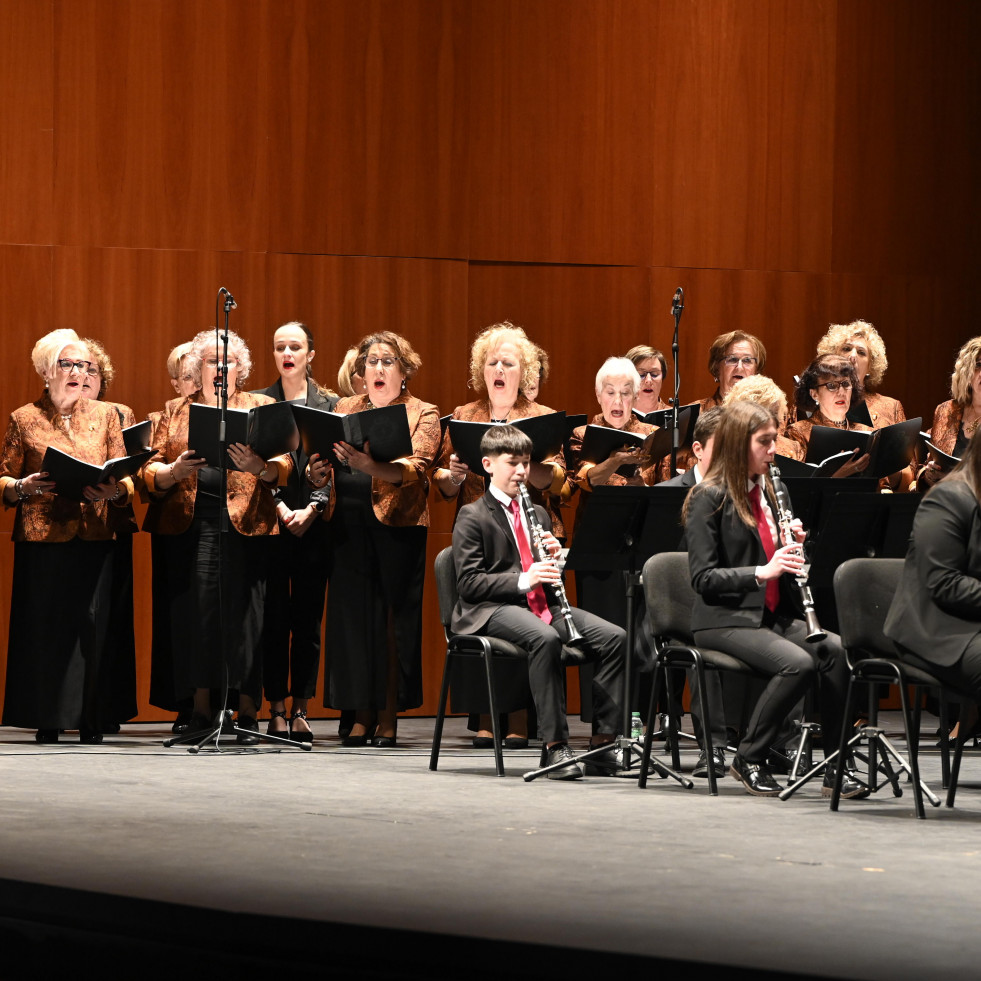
386	430
137	437
547	433
890	449
71	476
268	429
601	442
687	417
790	467
945	461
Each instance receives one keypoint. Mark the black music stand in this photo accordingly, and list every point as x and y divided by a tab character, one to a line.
619	530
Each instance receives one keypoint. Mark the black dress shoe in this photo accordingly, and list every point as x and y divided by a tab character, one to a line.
90	737
384	742
483	742
558	753
515	742
851	787
251	736
718	764
355	741
755	777
46	736
180	723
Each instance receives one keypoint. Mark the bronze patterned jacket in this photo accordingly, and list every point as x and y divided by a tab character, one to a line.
92	434
405	504
579	471
250	504
551	498
947	419
884	411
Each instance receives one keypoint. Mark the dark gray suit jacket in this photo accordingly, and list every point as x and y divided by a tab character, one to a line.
487	563
723	554
936	612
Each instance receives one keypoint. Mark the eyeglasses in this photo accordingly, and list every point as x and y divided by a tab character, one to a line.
653	375
732	361
385	362
834	386
83	367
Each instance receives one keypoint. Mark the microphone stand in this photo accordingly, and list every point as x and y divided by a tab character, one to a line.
224	724
677	308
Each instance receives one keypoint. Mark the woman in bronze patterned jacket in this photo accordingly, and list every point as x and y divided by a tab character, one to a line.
378	530
213	643
956	421
63	553
860	342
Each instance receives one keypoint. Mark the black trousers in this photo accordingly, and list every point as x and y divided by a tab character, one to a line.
605	644
781	651
296	588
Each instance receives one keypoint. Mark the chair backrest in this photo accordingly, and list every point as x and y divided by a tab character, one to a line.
669	595
864	589
445	572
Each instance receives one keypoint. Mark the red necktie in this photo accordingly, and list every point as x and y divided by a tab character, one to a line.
536	598
766	537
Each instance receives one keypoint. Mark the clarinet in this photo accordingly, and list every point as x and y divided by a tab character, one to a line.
570	634
784	517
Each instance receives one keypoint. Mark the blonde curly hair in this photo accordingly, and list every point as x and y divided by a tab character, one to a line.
839	334
492	337
203	347
960	380
760	390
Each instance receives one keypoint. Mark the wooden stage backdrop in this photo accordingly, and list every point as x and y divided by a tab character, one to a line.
433	166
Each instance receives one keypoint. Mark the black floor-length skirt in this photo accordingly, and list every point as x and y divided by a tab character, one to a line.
377	577
216	623
122	636
59	650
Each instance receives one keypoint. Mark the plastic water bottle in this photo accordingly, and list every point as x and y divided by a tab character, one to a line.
636	726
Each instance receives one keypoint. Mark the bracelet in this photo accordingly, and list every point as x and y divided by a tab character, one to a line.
173	474
457	483
19	490
119	490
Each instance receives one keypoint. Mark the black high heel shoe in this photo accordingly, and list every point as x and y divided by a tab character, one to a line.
300	735
46	736
277	714
363	740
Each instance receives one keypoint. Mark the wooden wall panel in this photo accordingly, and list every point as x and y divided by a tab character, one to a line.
369	130
743	133
907	144
26	133
161	122
560	131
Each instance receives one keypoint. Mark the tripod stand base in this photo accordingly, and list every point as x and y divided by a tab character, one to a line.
224	725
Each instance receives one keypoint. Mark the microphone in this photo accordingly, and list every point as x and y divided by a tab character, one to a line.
230	303
678	302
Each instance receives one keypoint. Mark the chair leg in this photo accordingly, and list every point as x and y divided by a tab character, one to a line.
672	729
645	757
955	771
440	712
912	742
846	724
709	749
944	739
495	722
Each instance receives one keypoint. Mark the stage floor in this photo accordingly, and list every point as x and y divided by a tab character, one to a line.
364	861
